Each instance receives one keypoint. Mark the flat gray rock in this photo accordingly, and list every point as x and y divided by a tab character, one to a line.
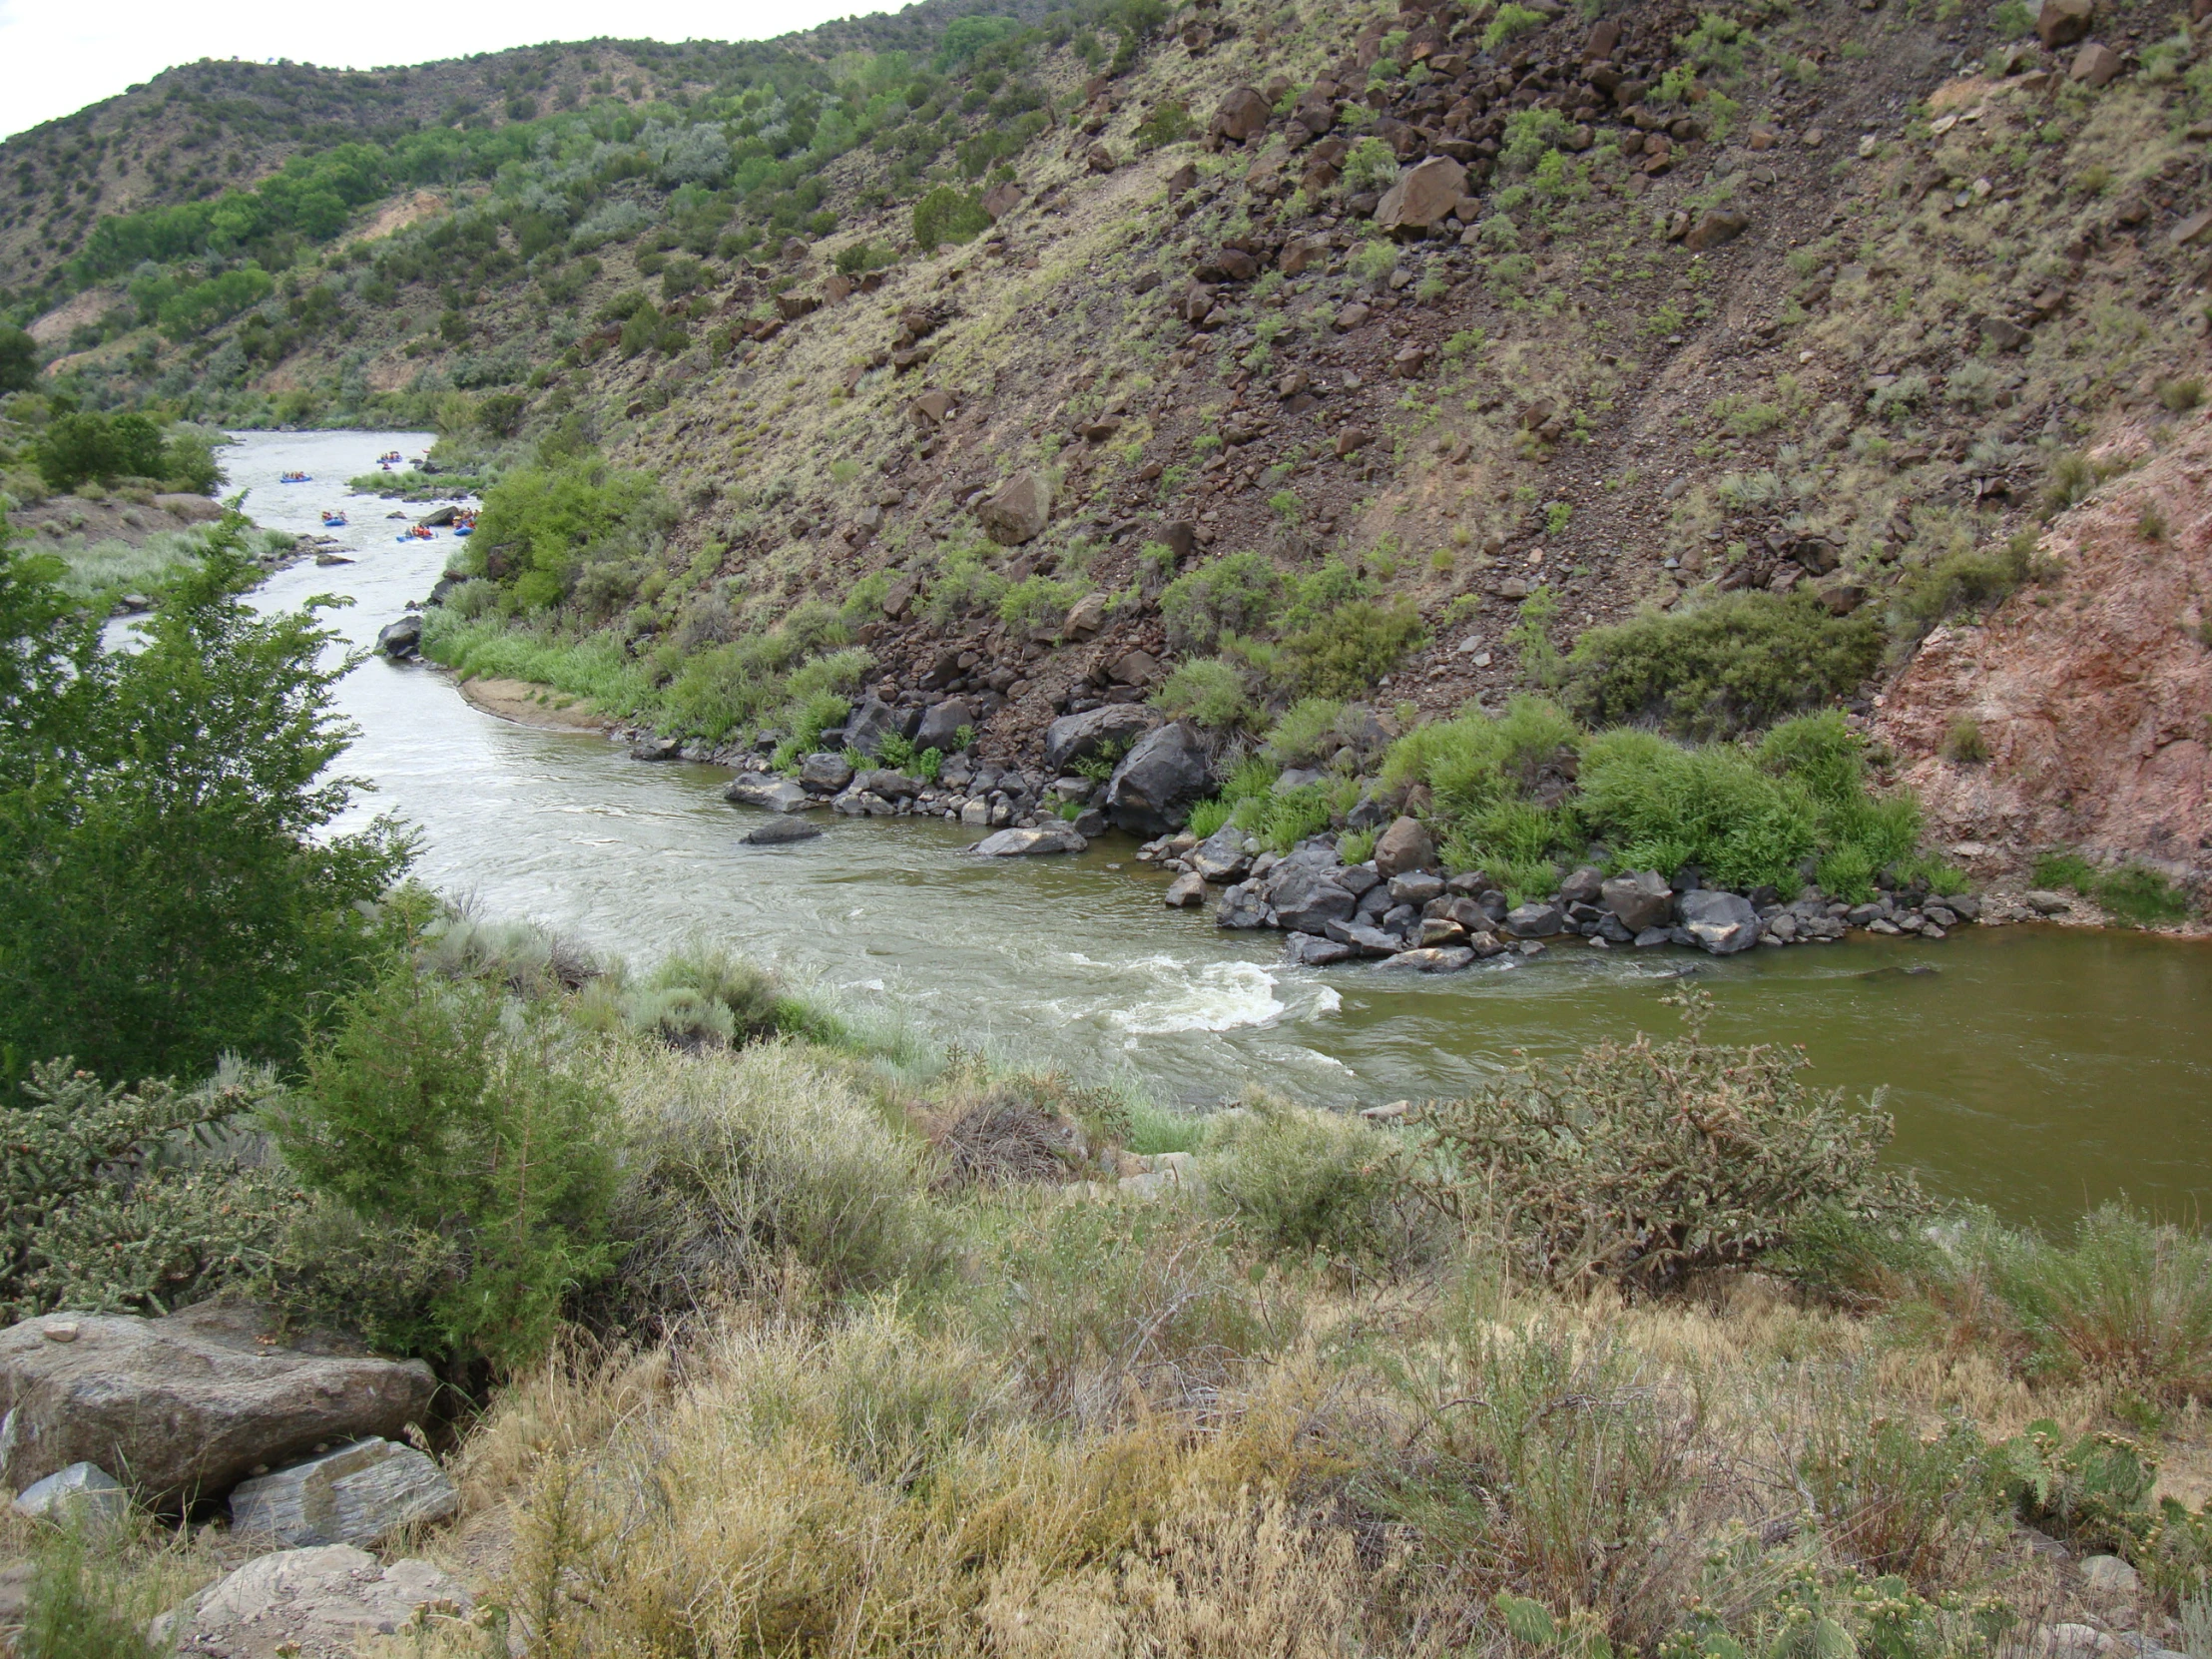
1014	844
777	832
354	1494
320	1603
768	791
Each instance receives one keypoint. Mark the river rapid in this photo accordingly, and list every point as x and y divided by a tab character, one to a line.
2032	1068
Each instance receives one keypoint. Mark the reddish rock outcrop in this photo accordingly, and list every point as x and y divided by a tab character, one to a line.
2092	694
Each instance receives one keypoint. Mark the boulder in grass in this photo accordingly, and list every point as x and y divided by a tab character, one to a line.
83	1496
186	1406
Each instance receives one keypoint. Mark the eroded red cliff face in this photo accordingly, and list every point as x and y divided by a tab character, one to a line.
2092	692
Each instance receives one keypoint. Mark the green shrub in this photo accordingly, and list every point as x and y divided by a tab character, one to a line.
1039	602
454	1128
1964	743
1747	819
2132	892
1484	778
1372	165
549	524
948	214
75	1610
1307	733
1294	1179
744	1164
1510	21
1207	816
1206	691
1924	1508
1101	1302
1968	577
2127	1302
1240	594
1346	652
1640	1162
75	449
964	585
1169	122
1736	662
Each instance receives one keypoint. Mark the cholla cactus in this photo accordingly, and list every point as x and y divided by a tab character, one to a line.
135	1201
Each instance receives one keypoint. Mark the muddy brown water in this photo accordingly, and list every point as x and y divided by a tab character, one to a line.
2032	1068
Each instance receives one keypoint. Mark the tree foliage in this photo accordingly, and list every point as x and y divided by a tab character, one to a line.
174	890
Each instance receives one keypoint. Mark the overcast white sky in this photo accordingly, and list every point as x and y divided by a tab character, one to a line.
57	56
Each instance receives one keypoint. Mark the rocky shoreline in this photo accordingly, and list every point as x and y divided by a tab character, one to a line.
1399	908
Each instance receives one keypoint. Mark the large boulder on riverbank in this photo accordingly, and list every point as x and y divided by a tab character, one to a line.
1152	792
1721	922
1074	738
1307	899
873	720
401	641
186	1406
1640	900
1403	847
942	724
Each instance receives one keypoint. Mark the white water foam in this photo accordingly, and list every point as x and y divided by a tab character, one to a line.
1220	996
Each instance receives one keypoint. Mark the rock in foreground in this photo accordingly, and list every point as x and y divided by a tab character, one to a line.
354	1494
311	1604
185	1405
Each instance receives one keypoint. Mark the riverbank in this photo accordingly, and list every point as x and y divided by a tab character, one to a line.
525	704
964	1360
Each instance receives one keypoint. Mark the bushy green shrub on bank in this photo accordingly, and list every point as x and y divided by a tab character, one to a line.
1516	794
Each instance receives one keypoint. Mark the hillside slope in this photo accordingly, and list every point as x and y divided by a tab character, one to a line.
1363	354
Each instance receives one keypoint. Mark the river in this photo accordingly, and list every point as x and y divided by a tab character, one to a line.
2034	1068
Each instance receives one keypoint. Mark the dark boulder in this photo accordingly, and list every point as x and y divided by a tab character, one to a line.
1307	901
401	641
1074	738
777	831
1642	900
941	725
1152	792
1533	921
1403	847
825	771
1720	922
873	719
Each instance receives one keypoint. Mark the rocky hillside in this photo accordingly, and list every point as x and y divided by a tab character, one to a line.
1256	356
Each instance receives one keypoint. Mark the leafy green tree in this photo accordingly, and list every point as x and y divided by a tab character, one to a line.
78	447
172	886
18	361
